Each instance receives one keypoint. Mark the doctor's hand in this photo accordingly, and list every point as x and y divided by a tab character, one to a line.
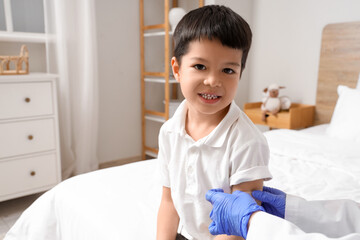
273	200
231	212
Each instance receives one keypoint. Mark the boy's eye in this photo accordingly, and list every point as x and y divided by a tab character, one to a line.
228	71
199	67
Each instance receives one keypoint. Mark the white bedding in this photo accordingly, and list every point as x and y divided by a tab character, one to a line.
122	202
114	203
312	165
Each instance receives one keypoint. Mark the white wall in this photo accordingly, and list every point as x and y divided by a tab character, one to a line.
119	78
286	44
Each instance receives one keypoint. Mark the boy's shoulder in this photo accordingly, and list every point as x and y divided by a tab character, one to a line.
234	130
239	120
244	130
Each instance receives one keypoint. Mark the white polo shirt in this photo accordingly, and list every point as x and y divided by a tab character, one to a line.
234	152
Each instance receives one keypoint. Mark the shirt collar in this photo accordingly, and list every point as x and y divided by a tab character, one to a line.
217	137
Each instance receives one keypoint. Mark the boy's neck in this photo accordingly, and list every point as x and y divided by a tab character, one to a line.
198	125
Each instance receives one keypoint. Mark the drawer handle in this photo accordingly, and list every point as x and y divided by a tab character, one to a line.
30	137
27	100
32	173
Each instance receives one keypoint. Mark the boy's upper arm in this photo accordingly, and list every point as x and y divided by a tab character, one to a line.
168	219
166	194
167	204
166	199
248	187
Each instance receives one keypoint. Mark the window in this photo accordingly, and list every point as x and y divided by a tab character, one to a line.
2	16
22	16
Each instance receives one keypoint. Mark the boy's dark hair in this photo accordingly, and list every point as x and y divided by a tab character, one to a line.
213	22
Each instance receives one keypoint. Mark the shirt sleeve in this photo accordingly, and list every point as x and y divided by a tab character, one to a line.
163	158
250	162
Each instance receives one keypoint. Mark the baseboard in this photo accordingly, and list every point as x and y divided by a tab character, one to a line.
119	162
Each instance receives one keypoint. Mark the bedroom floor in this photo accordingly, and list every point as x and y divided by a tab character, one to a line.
11	210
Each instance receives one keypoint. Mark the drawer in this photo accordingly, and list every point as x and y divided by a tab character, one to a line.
25	174
25	99
25	137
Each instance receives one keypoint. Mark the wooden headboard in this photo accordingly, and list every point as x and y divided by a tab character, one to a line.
339	64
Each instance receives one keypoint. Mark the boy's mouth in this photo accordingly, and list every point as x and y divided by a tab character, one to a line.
208	96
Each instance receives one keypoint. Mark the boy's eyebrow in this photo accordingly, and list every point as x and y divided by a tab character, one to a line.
204	60
199	59
234	64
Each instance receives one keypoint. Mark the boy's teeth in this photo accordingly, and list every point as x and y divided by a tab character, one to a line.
209	96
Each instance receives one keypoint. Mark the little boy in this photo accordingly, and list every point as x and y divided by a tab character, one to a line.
209	142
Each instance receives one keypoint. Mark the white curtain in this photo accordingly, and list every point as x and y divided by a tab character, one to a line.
73	55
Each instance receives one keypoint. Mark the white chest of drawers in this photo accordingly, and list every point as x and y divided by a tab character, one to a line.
29	135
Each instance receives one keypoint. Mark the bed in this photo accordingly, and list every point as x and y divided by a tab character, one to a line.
321	162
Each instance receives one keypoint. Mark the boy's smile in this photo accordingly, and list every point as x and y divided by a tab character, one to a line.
208	74
210	98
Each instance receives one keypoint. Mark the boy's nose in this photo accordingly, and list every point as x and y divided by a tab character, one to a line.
212	81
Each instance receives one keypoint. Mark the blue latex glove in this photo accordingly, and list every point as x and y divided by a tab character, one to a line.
231	212
273	200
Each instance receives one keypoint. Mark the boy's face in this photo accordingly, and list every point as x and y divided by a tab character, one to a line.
209	74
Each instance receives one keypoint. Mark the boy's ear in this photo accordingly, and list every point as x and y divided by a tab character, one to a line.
175	68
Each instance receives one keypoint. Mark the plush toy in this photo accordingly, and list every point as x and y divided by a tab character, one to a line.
272	103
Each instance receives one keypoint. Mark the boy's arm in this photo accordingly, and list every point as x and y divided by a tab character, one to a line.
168	219
247	187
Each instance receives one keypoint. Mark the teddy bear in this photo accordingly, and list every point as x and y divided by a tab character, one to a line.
272	103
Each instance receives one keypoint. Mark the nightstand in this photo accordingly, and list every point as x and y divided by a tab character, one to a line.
29	135
298	116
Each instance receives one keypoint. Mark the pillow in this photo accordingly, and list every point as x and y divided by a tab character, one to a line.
345	121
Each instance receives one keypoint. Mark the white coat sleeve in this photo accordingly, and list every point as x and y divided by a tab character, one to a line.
269	227
334	218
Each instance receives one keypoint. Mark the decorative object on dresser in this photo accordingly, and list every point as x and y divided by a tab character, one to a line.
272	102
29	139
17	62
298	116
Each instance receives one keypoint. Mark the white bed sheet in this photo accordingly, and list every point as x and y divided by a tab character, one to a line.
114	203
318	130
122	202
310	164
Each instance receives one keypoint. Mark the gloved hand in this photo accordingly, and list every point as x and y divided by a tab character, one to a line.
231	212
273	200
